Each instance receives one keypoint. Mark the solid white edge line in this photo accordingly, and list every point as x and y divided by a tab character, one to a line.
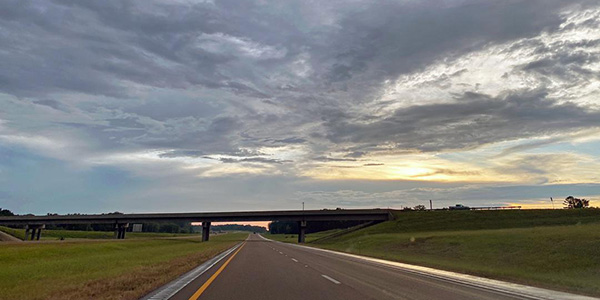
470	280
330	279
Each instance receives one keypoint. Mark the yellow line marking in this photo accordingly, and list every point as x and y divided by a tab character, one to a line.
201	290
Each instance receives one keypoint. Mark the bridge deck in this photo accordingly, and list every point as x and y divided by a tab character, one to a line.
290	215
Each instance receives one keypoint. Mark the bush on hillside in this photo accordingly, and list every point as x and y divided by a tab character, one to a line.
572	202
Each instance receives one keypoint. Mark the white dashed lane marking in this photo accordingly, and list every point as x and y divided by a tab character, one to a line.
331	279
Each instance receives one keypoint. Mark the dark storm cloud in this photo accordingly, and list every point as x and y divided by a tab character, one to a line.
197	79
92	47
473	120
377	37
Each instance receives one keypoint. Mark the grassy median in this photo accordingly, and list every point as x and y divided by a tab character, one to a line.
125	269
557	249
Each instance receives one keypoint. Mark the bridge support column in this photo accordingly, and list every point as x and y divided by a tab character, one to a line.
120	230
27	231
33	232
205	231
301	232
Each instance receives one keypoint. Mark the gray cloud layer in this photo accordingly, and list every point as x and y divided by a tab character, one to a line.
233	61
472	121
230	80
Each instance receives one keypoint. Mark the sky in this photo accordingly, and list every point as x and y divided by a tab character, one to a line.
177	106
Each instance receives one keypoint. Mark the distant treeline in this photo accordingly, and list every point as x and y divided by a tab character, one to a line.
175	227
171	227
291	227
235	227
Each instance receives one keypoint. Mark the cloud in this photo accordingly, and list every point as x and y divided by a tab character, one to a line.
472	120
254	160
191	71
238	89
326	159
50	103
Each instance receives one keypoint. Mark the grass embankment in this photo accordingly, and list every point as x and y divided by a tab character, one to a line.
76	234
118	269
557	249
18	233
293	238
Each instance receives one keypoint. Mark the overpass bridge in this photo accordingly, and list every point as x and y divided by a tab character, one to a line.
35	224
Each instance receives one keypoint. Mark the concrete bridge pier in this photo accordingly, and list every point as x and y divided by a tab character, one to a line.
301	232
33	232
205	231
120	229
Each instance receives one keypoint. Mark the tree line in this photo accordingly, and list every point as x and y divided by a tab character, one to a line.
237	227
291	227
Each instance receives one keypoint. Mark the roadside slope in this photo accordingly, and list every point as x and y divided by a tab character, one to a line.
551	249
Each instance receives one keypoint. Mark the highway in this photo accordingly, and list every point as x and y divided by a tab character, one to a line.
261	269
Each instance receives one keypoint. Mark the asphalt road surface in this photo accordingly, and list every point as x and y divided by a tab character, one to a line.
262	270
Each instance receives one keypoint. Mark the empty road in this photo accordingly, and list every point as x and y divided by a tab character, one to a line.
262	269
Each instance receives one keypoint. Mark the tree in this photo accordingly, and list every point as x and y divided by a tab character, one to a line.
419	207
6	213
572	202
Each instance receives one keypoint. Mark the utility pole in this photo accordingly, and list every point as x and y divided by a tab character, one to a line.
430	205
302	206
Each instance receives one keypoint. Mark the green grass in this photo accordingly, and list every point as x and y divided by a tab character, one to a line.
557	249
415	221
124	269
76	234
18	233
564	257
293	238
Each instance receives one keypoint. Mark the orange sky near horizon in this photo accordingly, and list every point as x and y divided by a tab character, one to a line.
256	223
